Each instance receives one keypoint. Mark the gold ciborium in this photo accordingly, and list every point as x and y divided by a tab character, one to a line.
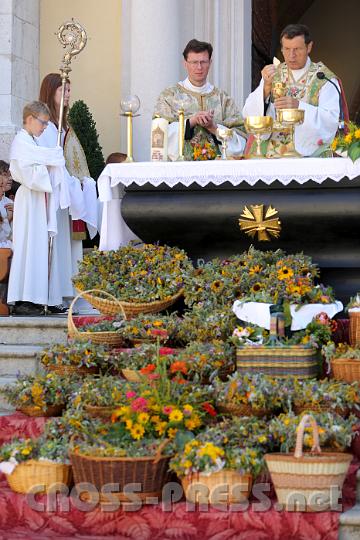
279	89
289	118
224	134
257	126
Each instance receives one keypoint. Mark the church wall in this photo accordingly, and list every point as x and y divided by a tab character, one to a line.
335	29
96	71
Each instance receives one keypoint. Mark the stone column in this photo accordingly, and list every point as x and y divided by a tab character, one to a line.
19	64
151	60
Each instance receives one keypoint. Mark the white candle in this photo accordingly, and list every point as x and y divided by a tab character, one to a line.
159	139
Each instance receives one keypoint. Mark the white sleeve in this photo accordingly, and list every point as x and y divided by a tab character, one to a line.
35	177
254	104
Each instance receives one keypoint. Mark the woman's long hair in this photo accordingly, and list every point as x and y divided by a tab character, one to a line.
49	85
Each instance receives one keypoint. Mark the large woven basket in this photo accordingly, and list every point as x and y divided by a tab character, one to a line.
71	370
97	411
223	487
319	408
354	328
241	410
109	307
280	362
150	472
50	410
33	473
345	369
111	338
304	482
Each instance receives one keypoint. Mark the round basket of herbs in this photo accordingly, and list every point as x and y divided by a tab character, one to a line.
38	395
146	279
80	358
325	395
40	462
229	455
344	361
149	328
249	395
105	332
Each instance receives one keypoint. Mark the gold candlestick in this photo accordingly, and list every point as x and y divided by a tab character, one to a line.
130	105
181	135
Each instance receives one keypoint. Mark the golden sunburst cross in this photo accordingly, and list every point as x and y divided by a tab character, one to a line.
255	222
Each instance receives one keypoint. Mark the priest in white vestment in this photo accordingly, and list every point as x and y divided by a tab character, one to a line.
206	107
304	90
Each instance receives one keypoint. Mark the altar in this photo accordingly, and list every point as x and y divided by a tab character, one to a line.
197	206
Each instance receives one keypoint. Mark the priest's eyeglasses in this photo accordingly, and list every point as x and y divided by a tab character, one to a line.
44	123
201	63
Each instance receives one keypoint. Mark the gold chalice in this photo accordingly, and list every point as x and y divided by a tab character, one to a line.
224	134
257	126
289	118
279	89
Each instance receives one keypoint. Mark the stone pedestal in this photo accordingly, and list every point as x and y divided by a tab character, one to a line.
19	65
349	524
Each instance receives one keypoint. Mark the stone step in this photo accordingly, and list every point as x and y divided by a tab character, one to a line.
34	330
5	407
18	358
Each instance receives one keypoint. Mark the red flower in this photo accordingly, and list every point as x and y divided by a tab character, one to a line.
158	332
209	408
163	351
147	369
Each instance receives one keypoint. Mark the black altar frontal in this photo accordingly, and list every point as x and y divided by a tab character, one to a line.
197	206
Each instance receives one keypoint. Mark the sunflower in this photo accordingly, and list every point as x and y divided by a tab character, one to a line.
285	273
256	287
255	270
217	286
176	416
137	431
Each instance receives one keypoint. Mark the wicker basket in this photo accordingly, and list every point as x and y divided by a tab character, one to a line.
109	307
132	375
97	411
345	369
303	482
38	473
112	338
150	472
241	410
320	408
354	328
71	370
280	362
223	487
50	410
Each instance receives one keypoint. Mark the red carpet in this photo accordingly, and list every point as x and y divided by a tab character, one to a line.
19	521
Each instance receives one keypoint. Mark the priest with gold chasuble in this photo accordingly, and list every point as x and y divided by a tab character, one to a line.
305	87
205	108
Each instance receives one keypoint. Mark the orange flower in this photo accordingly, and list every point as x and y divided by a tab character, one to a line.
179	367
147	369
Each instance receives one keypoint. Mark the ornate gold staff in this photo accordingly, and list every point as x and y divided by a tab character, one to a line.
73	38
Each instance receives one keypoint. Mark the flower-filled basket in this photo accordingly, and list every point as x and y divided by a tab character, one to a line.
38	473
145	279
150	472
303	482
107	337
282	361
345	362
78	358
204	488
353	309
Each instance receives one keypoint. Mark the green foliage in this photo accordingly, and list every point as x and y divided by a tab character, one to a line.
82	122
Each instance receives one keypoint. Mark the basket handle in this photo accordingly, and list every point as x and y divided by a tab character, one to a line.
71	325
300	436
161	447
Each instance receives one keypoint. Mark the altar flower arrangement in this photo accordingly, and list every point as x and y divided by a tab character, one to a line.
224	446
349	142
327	394
259	391
77	354
203	152
145	273
335	432
41	390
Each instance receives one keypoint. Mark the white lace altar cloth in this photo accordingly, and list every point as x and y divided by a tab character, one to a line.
117	175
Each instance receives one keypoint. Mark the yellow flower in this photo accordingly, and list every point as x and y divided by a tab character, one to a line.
129	423
157	323
192	423
187	464
255	270
256	287
26	451
305	340
262	439
171	432
285	273
143	418
334	144
160	428
77	400
188	408
176	416
137	431
357	134
217	286
209	449
348	138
